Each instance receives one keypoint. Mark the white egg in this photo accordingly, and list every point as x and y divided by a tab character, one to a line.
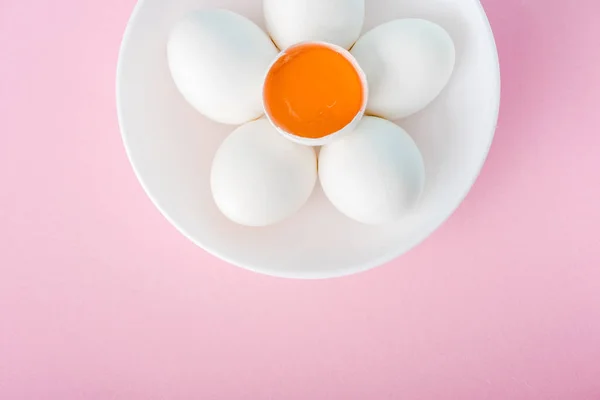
407	62
218	60
334	21
373	175
259	177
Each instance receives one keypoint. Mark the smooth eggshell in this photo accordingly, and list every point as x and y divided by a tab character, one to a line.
258	177
373	175
218	60
334	21
407	62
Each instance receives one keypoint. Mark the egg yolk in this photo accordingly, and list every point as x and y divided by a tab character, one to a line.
312	91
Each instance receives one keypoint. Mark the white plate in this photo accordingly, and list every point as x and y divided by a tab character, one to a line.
171	146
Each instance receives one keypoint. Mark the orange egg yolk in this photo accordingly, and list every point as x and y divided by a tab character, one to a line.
312	91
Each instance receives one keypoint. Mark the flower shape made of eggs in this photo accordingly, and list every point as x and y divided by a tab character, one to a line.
327	86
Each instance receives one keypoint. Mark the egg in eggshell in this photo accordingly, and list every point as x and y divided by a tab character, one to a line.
407	62
259	177
374	174
218	60
334	21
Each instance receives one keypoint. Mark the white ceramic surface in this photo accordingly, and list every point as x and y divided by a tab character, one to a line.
171	146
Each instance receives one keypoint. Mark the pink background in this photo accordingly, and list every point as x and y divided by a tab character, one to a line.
100	298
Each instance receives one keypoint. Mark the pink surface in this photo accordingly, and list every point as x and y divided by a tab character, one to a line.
100	298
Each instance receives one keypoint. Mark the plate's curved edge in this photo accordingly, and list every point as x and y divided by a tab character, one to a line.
390	257
138	175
